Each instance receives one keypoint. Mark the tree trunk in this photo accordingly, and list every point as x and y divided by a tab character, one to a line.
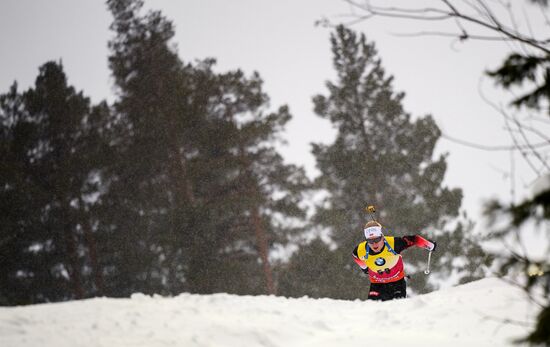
74	274
256	220
263	249
96	271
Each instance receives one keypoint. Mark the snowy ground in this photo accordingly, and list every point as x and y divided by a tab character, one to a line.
475	314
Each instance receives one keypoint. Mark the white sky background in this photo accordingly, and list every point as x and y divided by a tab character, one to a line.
279	40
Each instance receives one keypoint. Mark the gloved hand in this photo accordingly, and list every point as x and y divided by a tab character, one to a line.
425	243
434	246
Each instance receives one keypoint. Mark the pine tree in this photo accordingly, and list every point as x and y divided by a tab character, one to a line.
150	191
380	156
197	172
19	202
49	160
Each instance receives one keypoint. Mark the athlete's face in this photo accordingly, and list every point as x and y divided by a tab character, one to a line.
376	244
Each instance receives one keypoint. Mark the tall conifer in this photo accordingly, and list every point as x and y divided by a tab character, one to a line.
381	156
49	155
198	181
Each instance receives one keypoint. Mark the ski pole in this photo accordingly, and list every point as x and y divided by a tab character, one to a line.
427	271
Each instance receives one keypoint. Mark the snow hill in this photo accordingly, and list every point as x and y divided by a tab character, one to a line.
489	312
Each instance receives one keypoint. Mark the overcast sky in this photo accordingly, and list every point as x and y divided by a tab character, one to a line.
279	40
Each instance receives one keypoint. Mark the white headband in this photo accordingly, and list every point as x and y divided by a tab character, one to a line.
373	232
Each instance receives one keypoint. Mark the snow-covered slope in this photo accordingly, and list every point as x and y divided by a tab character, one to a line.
475	314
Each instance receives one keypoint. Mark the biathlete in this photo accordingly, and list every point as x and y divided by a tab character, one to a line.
379	257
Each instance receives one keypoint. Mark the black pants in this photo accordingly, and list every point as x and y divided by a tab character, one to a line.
388	291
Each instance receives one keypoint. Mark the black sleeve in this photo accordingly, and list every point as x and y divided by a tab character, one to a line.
402	243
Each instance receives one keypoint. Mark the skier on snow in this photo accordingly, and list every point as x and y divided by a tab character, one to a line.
379	257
